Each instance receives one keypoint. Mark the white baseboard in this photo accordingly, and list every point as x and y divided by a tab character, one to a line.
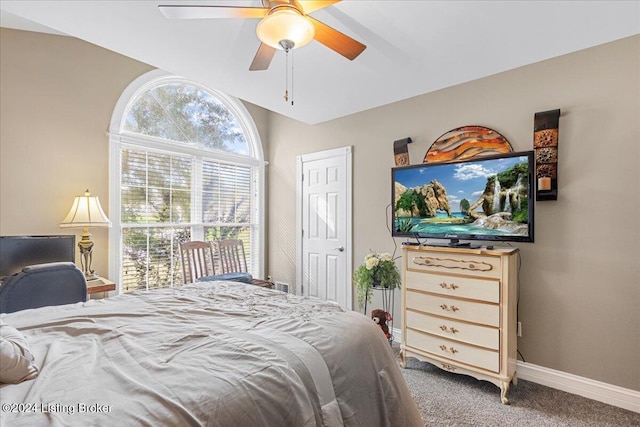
602	392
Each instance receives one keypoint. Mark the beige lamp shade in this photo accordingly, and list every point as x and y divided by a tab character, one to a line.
86	212
285	24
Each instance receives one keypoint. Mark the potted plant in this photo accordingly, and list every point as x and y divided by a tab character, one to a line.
378	270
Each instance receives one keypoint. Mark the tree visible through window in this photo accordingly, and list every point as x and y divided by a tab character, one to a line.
186	172
184	113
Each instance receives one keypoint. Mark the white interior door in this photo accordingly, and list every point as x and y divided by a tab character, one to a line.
324	226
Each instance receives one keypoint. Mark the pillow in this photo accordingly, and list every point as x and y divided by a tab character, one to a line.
236	277
16	359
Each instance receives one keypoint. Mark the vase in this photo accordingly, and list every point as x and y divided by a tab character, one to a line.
376	283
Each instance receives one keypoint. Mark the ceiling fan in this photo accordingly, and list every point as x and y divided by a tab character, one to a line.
285	25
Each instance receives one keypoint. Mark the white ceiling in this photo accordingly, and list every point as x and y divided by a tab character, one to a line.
413	47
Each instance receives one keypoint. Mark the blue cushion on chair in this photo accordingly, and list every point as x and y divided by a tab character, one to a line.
236	277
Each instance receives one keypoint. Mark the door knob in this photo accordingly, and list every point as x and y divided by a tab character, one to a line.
340	249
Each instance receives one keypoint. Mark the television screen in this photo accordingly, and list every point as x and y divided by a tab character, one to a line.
17	252
484	198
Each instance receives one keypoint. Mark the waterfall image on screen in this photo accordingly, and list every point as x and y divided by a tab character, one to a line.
486	198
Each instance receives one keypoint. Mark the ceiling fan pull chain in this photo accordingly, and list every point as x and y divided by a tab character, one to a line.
286	75
292	77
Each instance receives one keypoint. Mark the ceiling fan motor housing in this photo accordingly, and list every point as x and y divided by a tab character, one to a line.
285	27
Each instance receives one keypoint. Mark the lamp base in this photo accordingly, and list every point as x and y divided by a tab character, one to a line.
86	254
91	276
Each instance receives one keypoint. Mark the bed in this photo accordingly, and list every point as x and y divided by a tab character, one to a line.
212	353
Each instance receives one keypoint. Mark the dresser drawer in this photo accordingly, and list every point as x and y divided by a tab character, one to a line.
443	262
465	287
454	350
483	336
477	312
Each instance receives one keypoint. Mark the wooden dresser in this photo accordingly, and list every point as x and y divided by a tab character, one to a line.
459	311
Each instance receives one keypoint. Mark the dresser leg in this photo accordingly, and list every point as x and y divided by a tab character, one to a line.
403	358
504	390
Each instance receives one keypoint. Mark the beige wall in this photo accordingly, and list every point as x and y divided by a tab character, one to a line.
580	280
58	94
580	284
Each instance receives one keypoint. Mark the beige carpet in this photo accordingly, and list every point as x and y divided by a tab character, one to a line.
447	399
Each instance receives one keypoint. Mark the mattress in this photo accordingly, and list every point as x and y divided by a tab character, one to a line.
210	353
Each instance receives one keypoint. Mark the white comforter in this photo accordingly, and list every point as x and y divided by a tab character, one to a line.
215	353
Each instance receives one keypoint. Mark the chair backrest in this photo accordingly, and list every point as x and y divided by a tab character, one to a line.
41	285
232	256
197	260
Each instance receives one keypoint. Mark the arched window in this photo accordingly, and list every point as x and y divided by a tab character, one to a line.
186	163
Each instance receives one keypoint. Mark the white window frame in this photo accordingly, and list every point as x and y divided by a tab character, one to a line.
118	139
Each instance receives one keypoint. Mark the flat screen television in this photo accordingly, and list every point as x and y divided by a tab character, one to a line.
484	198
17	252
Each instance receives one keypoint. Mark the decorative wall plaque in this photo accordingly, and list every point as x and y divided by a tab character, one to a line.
401	152
545	144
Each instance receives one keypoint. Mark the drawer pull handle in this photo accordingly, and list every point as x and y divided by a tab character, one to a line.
452	286
447	329
448	367
445	307
449	350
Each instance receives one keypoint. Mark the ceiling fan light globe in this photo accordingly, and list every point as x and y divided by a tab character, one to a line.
285	25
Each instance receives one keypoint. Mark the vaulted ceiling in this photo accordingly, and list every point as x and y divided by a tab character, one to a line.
413	47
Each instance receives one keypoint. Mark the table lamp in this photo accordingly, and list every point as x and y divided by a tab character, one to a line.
86	212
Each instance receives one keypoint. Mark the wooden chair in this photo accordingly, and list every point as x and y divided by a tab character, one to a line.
233	260
197	260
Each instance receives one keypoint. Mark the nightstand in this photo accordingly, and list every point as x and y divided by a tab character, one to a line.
98	288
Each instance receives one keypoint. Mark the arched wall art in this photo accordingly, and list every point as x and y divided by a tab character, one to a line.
466	142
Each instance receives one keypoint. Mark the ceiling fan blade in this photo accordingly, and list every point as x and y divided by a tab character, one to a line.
334	39
263	58
174	11
308	6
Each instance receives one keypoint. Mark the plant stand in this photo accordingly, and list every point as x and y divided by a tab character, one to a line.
388	302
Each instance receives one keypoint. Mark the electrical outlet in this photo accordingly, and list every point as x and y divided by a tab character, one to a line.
519	329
